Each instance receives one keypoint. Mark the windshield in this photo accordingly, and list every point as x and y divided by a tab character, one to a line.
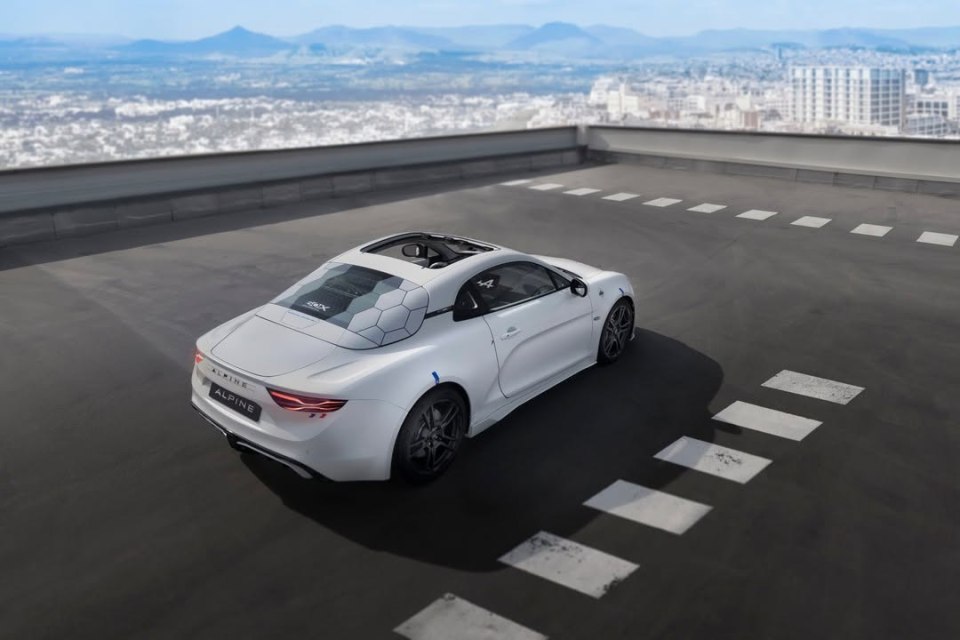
377	306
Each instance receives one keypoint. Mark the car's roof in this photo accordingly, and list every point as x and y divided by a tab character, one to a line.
428	278
441	284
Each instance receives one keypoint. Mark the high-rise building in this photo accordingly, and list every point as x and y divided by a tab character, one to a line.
851	95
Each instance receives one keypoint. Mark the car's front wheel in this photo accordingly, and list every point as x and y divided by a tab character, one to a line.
617	331
430	435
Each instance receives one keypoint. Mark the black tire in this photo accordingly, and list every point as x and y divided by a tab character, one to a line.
617	332
430	436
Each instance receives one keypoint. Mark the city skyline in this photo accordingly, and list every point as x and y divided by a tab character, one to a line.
182	19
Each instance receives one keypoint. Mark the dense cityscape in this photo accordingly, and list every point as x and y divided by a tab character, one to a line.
848	92
68	129
66	108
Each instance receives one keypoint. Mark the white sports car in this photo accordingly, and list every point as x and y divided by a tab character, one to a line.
381	361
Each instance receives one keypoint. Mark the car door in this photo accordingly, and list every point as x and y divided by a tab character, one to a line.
539	326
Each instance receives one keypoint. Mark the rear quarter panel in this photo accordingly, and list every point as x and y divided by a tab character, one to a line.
459	352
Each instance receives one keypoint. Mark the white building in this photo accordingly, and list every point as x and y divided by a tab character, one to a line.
621	102
600	91
928	124
848	95
945	105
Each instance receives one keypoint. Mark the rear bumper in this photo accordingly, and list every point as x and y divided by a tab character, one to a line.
356	443
239	443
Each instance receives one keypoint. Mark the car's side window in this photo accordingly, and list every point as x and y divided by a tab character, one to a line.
559	280
466	304
511	283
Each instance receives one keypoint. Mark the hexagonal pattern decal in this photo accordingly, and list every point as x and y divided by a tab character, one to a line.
415	299
374	334
398	309
373	307
393	318
366	301
364	320
391	299
393	336
390	284
415	320
392	311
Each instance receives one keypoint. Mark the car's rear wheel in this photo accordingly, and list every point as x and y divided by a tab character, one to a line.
617	331
430	435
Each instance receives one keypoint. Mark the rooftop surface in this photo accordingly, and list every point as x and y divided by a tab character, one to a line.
124	514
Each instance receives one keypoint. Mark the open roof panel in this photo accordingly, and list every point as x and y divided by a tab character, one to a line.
429	250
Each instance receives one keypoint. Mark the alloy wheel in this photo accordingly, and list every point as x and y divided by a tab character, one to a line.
616	331
439	430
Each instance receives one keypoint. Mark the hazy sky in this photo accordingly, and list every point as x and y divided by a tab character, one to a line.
196	18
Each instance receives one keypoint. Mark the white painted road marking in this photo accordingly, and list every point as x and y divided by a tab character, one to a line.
942	239
722	462
569	564
707	207
620	197
778	423
876	230
581	192
649	506
811	221
515	183
813	387
662	202
757	214
453	617
547	186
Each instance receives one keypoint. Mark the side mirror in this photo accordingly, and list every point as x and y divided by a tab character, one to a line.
413	250
578	287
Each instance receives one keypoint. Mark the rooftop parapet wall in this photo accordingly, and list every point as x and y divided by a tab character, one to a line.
57	202
896	164
27	189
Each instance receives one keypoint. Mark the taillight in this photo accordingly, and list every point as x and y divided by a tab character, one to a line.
197	356
294	402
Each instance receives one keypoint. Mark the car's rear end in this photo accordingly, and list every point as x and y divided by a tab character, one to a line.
316	436
282	380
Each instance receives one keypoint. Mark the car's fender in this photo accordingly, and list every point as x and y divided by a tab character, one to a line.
442	351
604	287
604	290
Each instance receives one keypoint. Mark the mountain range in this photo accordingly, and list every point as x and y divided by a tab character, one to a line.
238	41
553	39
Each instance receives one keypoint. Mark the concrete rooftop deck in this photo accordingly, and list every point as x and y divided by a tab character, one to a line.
124	514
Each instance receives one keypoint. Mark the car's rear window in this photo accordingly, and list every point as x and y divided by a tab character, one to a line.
379	307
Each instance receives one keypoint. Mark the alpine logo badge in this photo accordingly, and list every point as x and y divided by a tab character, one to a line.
229	377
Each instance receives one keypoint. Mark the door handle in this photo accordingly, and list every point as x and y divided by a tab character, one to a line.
512	331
